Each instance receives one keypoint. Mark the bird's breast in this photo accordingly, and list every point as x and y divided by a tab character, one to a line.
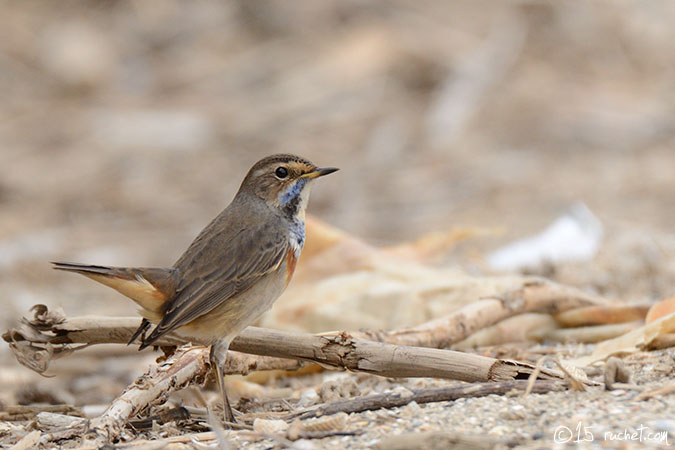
291	261
297	241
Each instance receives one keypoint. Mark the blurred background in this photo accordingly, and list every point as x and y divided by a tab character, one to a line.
125	126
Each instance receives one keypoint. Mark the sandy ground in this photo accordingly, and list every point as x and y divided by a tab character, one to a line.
125	126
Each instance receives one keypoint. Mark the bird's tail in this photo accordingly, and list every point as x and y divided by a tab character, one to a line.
150	288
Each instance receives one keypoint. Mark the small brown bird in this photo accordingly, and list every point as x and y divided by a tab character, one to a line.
232	272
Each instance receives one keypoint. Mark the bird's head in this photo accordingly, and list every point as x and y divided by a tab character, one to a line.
284	181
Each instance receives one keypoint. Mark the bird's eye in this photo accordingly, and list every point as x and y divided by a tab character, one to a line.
281	172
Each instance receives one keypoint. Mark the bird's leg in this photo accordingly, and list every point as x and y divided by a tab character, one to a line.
218	356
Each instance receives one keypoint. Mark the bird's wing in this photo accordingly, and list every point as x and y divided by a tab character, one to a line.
234	268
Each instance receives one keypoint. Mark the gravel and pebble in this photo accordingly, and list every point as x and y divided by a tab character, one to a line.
595	417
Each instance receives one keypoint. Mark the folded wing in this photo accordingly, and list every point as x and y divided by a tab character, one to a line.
220	271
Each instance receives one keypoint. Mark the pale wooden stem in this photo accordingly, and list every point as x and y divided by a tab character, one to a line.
603	314
535	295
591	334
186	366
344	351
339	350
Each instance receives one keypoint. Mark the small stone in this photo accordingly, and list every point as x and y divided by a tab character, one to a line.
308	398
333	390
403	391
265	426
414	408
499	430
303	444
513	415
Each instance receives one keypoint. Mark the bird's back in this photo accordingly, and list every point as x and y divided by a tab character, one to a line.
214	244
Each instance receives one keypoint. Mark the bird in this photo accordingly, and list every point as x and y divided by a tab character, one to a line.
232	272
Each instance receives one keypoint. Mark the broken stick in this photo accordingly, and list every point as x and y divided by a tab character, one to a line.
430	395
37	339
187	366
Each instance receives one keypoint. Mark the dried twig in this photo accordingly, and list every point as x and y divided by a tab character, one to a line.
651	335
64	433
438	394
576	381
663	390
50	420
535	295
49	336
513	329
186	366
28	412
590	334
171	415
344	351
27	442
533	376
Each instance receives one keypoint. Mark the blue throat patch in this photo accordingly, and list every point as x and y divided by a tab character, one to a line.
290	201
293	192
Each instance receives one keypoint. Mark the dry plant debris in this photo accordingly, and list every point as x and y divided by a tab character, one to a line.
489	311
659	333
125	123
660	309
415	351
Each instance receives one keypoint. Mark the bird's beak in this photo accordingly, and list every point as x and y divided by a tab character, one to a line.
319	172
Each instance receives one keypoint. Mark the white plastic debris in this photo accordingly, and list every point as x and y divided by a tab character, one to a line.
575	236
